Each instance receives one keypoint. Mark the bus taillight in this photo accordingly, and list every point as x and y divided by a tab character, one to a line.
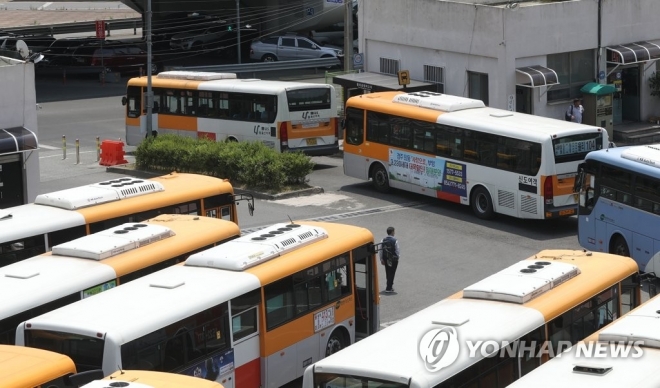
284	136
548	192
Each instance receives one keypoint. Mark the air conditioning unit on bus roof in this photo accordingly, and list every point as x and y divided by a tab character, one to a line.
522	281
114	241
438	101
195	75
646	154
257	247
98	193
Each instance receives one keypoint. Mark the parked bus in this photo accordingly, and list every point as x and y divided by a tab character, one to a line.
286	116
22	367
626	353
551	296
459	150
253	312
61	216
619	208
95	263
150	379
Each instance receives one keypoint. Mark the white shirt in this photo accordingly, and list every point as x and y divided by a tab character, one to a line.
576	112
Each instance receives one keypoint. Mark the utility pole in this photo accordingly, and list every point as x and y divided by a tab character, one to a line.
150	94
348	35
238	29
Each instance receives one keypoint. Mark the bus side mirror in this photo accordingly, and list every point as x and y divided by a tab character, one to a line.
124	100
371	248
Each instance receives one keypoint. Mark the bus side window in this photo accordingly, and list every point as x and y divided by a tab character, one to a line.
354	126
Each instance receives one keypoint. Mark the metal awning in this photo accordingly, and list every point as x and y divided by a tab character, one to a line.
17	139
536	76
630	53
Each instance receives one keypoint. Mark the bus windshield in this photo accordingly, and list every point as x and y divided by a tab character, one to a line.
576	147
332	380
86	352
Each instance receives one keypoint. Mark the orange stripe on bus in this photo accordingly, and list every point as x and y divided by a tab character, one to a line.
133	121
177	122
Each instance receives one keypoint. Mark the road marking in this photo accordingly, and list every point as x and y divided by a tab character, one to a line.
47	147
44	6
353	214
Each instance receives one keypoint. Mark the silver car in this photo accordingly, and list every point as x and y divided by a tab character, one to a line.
290	47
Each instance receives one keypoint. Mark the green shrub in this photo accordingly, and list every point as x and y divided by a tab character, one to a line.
250	163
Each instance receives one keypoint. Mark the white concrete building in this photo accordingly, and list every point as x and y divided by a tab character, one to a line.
19	154
483	49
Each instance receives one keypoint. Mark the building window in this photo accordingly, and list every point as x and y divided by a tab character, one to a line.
389	66
436	75
574	70
478	86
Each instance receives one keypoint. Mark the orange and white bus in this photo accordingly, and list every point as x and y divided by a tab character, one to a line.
150	379
286	116
92	264
57	217
253	312
459	150
22	367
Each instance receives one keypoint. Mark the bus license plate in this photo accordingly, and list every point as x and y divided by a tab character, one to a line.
311	142
566	212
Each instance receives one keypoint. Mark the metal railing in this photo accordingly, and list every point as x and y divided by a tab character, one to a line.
70	28
258	67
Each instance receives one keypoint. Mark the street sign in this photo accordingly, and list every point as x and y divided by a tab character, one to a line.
358	60
404	77
100	29
601	75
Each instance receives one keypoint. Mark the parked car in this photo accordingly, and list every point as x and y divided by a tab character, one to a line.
199	38
116	56
290	47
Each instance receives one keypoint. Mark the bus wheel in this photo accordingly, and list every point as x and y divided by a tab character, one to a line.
335	343
482	204
618	246
380	179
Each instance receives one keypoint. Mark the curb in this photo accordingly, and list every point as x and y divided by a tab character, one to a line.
129	169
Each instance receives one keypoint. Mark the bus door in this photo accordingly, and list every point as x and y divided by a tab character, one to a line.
366	292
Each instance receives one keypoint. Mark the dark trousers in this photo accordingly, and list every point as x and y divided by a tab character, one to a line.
389	274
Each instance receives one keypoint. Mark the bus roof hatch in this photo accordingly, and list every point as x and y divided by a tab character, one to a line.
257	247
522	281
641	325
114	241
97	193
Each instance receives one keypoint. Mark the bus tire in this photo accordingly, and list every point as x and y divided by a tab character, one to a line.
482	203
336	342
380	179
618	246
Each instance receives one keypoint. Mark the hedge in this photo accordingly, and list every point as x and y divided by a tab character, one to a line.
252	164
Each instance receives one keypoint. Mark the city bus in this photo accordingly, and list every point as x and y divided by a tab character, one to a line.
54	218
284	115
494	331
626	353
619	210
150	379
249	313
92	264
22	367
457	149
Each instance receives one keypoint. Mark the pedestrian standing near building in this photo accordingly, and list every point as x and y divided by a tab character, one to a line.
574	112
389	257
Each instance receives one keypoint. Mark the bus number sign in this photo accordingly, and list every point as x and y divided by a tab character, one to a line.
323	319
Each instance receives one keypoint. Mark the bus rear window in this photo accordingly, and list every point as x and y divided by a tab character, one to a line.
307	99
576	147
86	352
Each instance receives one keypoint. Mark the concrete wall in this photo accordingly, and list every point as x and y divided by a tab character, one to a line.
462	36
18	108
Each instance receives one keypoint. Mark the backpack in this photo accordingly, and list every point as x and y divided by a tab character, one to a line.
389	250
568	115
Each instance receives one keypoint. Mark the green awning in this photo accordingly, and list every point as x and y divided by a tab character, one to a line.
597	89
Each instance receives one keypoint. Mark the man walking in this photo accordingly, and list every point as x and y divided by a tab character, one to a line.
574	112
389	257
